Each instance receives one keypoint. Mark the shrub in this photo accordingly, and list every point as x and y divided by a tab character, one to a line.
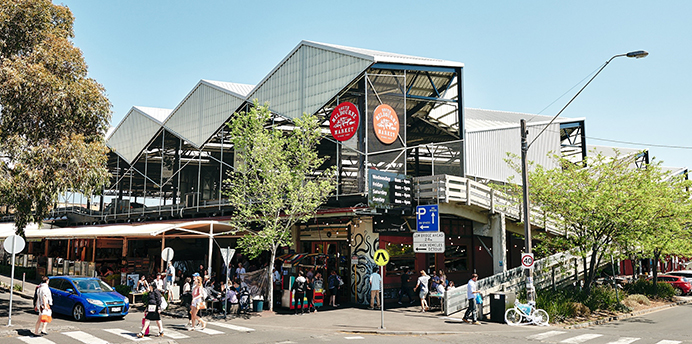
636	299
17	287
642	286
124	290
602	297
577	309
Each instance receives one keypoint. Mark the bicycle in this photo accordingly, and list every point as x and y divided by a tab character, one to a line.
526	314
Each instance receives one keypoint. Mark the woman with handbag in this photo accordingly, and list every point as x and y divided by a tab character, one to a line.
43	302
198	302
152	311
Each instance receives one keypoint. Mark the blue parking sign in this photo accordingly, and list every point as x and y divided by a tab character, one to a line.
428	218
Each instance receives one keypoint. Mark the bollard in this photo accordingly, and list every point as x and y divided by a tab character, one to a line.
23	280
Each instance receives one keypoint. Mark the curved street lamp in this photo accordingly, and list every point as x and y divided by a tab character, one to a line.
530	290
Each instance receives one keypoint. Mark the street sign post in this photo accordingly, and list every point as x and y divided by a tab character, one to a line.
13	244
433	242
428	218
167	254
381	259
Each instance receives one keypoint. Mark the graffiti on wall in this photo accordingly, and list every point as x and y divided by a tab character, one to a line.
365	243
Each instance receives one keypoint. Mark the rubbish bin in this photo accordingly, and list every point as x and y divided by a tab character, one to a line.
257	305
499	302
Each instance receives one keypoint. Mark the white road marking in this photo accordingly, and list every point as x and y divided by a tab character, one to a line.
35	340
625	340
209	331
84	337
125	334
174	334
232	327
355	337
545	335
669	342
581	338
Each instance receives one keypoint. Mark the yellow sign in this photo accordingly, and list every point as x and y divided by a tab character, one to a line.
381	257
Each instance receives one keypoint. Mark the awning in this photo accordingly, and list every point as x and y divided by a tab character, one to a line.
144	230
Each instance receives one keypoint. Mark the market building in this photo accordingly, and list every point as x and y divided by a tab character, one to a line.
398	133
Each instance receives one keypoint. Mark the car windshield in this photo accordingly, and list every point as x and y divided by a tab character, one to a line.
92	285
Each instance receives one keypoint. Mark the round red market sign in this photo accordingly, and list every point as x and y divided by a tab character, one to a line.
386	124
344	120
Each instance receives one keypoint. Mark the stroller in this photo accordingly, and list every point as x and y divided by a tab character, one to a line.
244	302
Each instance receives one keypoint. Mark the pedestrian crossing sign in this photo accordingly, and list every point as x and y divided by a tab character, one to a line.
381	257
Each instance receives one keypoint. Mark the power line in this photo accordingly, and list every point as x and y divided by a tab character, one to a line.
639	143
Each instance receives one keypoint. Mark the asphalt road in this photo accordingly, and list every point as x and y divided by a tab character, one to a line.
667	326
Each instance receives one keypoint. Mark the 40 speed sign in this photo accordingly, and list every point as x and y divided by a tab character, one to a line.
527	260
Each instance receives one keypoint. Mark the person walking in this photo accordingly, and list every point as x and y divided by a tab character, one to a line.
310	293
170	277
299	286
375	287
42	304
153	311
470	295
240	272
422	283
198	296
405	286
334	282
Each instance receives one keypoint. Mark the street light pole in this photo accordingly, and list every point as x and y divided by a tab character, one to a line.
530	289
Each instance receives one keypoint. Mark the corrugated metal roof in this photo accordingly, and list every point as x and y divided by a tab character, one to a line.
204	110
384	57
135	131
481	119
240	90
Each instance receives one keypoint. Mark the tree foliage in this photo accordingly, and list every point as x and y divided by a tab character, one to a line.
276	182
606	204
53	116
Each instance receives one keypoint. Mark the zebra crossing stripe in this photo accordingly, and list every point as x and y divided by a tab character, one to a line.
581	338
669	342
209	331
84	337
625	340
125	334
354	337
174	334
545	335
35	340
232	327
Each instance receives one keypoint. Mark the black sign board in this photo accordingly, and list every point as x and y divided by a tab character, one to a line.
389	191
390	224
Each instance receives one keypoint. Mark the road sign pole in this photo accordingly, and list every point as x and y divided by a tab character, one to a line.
382	297
9	315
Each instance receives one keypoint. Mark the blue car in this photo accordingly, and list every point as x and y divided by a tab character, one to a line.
86	297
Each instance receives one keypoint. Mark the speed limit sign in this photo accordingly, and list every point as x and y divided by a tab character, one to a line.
527	260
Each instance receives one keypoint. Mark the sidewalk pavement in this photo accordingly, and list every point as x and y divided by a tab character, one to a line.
29	287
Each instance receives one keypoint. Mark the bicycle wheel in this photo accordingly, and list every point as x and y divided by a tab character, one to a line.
540	317
513	317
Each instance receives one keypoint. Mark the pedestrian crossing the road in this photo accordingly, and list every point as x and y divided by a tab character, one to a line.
116	335
591	338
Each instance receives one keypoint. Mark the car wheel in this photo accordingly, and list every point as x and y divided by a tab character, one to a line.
78	312
678	292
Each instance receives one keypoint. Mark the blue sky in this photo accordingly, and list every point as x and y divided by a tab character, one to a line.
519	55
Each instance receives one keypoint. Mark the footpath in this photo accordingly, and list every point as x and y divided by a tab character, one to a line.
398	319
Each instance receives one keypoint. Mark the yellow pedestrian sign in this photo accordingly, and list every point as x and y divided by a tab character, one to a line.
381	257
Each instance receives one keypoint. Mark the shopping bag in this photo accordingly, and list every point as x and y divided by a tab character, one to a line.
146	330
479	299
164	304
46	316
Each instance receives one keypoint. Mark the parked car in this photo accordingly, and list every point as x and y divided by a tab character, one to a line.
86	297
683	273
681	284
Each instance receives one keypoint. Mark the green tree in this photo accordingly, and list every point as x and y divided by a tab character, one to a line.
276	182
53	117
602	203
666	218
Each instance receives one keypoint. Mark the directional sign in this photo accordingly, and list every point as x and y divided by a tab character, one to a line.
527	260
227	255
433	242
428	218
167	254
381	257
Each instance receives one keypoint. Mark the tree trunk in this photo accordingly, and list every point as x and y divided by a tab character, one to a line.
657	255
633	261
270	297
